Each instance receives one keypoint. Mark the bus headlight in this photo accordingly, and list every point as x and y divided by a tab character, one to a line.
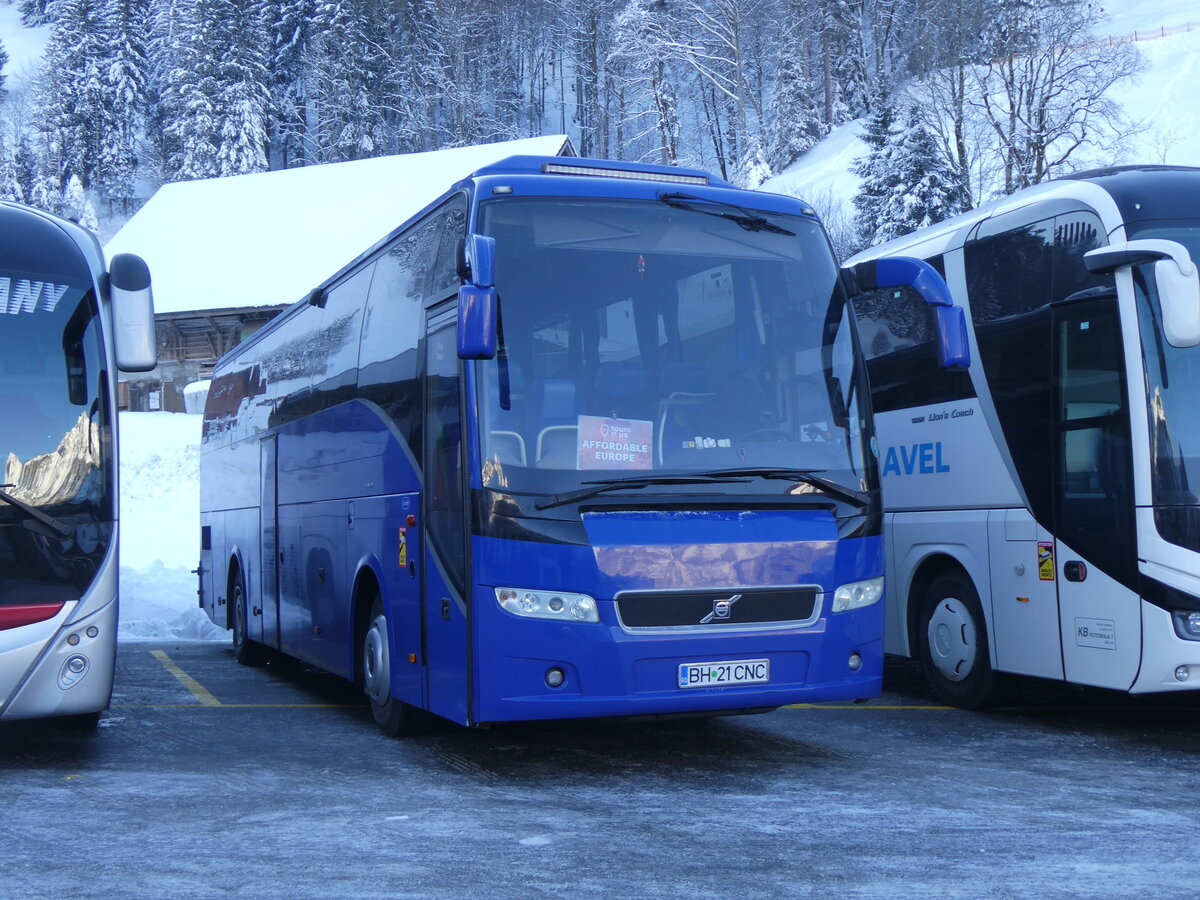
858	594
548	605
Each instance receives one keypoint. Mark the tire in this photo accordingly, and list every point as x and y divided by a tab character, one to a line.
246	651
953	645
395	718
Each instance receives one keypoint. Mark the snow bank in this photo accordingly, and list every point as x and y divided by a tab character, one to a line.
160	528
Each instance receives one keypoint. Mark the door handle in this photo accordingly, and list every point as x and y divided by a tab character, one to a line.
1074	570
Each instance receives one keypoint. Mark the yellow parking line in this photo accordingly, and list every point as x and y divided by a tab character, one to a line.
198	690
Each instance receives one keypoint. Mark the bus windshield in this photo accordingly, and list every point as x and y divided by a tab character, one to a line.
641	337
54	435
1172	385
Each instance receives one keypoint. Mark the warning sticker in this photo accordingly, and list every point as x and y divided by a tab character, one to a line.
1098	633
614	443
403	547
1045	561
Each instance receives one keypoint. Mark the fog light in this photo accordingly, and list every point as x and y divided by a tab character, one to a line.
72	639
555	677
855	662
92	631
1182	673
76	664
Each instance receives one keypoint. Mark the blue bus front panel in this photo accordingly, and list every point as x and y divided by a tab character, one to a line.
611	668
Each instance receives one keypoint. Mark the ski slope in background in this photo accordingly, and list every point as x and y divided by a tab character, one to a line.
1165	100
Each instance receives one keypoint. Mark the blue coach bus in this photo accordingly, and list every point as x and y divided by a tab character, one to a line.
580	439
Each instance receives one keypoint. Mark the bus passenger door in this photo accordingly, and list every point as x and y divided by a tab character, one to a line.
268	547
1024	613
447	655
1095	548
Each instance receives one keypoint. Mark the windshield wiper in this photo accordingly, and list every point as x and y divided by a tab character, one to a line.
620	484
33	512
807	476
745	218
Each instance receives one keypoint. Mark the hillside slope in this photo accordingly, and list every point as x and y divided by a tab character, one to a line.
1163	100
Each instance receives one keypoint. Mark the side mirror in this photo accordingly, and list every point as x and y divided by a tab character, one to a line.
479	257
476	322
477	300
133	313
954	349
1175	276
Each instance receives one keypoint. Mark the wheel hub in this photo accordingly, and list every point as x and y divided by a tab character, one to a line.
952	639
376	674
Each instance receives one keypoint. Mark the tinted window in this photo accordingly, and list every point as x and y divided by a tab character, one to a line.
452	228
406	274
1008	274
55	437
443	459
898	332
1094	515
1012	278
335	367
1074	235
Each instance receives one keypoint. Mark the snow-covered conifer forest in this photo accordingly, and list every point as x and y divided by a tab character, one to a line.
963	99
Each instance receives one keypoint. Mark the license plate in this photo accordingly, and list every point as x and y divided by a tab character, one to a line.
719	674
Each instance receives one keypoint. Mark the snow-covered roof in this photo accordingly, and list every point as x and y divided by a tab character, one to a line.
257	240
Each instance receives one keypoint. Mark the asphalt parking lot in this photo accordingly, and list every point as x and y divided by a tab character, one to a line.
207	779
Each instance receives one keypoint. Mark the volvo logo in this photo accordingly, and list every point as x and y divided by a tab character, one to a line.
722	609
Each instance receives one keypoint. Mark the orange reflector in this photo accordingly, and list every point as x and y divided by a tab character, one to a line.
412	657
1022	599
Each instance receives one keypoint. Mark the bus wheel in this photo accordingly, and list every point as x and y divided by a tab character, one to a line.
953	644
245	651
394	717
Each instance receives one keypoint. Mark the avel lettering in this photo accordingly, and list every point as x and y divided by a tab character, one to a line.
915	459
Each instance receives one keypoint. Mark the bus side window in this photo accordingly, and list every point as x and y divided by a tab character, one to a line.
444	495
452	229
1074	235
899	339
388	361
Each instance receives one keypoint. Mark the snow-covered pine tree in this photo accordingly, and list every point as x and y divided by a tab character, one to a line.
794	123
243	99
650	105
290	26
875	170
216	96
72	93
347	74
76	205
127	72
924	188
752	169
24	171
34	13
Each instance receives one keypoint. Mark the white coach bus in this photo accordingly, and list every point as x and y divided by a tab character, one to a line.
1042	514
67	323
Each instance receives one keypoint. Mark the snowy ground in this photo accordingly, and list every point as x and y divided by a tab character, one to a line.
160	528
